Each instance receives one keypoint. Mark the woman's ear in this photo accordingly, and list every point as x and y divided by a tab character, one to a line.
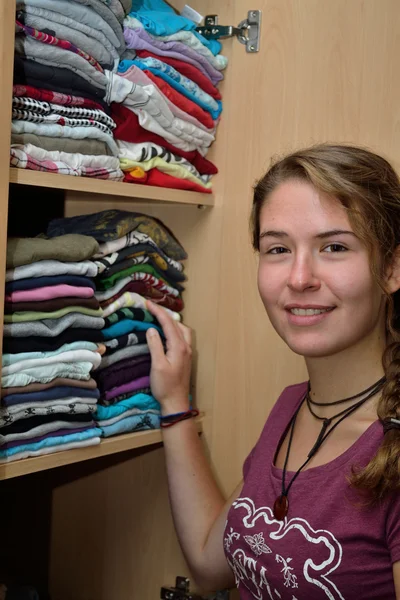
393	273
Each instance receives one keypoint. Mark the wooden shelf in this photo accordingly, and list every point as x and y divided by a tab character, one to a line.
112	445
109	188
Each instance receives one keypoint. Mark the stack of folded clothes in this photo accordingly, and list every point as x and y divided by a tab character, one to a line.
138	258
51	345
61	114
168	106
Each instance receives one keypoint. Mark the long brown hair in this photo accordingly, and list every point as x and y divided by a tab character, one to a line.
368	187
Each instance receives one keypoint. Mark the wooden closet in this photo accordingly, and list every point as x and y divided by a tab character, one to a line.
95	523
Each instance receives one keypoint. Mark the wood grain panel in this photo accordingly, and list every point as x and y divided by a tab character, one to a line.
7	20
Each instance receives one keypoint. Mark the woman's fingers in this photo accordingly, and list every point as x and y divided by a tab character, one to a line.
169	326
186	333
155	345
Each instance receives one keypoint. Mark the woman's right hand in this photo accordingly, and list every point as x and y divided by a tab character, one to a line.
170	370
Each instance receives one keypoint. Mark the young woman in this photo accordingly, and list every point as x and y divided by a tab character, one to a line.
317	515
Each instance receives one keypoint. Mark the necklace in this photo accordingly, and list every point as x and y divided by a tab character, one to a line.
281	505
311	401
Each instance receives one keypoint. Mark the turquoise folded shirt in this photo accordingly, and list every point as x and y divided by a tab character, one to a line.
127	326
140	401
53	441
131	424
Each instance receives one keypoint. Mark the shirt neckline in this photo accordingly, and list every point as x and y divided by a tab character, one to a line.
335	463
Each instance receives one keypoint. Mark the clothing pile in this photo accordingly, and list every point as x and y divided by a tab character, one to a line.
138	259
166	103
61	114
52	326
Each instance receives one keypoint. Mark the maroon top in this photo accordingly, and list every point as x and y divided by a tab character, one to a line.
327	547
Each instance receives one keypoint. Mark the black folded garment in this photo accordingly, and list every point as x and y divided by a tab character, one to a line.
56	79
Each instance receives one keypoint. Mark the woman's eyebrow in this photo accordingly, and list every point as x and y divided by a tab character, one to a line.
325	234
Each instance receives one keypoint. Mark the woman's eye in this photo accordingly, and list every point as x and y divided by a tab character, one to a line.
335	248
277	250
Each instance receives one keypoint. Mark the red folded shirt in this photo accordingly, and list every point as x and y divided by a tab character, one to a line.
187	70
160	179
188	106
129	130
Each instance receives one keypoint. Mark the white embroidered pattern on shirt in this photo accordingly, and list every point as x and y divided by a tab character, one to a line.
253	575
257	544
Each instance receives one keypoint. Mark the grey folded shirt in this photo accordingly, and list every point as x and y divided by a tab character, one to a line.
81	14
52	327
128	352
85	42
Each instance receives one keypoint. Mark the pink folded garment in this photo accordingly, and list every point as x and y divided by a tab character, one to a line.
132	386
48	292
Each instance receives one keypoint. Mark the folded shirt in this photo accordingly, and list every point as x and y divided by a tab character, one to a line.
138	401
51	293
123	342
127	326
11	359
42	425
53	443
51	449
70	247
102	22
64	131
130	351
74	370
127	388
37	343
179	105
53	327
112	224
52	267
32	439
60	392
131	424
127	244
87	43
51	305
23	420
25	316
38	282
100	166
71	356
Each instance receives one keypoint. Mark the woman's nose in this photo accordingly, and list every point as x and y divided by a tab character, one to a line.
302	275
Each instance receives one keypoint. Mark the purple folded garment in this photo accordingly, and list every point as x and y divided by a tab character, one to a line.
39	438
139	39
132	386
122	372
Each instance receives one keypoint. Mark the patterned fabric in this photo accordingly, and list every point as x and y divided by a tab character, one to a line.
187	85
125	341
48	108
7	418
46	38
22	160
130	240
154	282
137	314
113	224
147	151
103	264
28	91
64	131
128	299
27	115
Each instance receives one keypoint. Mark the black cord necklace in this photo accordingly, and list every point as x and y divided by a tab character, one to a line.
281	505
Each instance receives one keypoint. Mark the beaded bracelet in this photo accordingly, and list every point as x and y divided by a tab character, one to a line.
172	419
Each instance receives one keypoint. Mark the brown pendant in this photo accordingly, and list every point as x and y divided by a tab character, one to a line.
281	508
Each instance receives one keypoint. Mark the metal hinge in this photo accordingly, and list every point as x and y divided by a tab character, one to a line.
247	32
181	592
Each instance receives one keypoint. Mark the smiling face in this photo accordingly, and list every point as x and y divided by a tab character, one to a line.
314	274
